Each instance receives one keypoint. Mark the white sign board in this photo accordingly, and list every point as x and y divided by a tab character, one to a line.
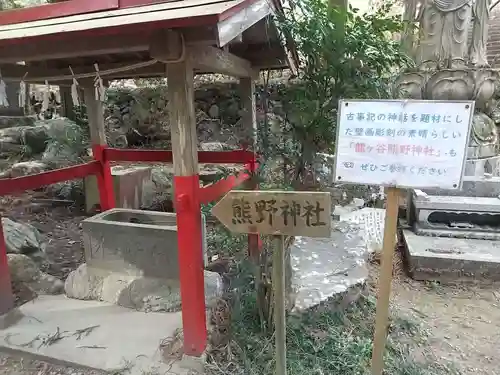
403	143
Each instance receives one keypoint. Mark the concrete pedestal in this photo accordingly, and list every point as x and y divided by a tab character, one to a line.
452	259
132	261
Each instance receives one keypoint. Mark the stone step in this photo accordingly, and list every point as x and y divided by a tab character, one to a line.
452	259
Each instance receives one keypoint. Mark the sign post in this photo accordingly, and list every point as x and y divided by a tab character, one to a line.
279	303
277	213
400	144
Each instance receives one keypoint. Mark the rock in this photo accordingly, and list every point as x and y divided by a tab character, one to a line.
21	238
231	112
207	129
36	138
81	285
214	146
27	168
118	140
214	112
162	177
71	190
67	141
329	269
12	121
10	146
140	293
24	270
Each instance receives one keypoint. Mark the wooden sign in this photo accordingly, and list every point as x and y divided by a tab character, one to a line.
291	213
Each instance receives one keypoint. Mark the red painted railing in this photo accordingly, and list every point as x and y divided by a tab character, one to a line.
194	340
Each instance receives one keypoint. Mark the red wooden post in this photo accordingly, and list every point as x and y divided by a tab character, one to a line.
191	263
95	114
186	194
6	295
104	179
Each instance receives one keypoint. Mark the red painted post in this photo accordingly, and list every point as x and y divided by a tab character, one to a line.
187	207
6	295
180	78
105	182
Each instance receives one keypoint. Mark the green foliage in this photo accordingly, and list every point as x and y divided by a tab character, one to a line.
343	55
221	242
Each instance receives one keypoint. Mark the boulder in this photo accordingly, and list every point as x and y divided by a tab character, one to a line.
214	111
24	270
11	121
27	168
68	141
21	238
139	293
34	137
215	146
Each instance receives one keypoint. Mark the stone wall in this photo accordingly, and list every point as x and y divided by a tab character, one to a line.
140	116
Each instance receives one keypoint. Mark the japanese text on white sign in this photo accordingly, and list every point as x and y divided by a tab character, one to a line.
403	143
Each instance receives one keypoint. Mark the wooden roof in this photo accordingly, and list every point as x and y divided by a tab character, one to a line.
125	36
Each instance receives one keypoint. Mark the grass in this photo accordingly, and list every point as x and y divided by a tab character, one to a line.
322	342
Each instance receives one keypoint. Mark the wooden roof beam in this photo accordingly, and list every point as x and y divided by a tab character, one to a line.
212	59
84	46
171	47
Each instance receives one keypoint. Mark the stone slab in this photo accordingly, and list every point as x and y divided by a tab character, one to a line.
123	341
486	233
485	188
452	259
372	222
323	268
133	188
454	203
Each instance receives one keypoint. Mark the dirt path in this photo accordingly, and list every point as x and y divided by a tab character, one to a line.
462	323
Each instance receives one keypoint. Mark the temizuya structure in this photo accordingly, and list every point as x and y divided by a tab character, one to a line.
92	41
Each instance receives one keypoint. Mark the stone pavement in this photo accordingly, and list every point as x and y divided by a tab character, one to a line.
95	335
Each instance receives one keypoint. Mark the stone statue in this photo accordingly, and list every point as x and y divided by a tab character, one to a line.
444	26
478	56
451	68
409	16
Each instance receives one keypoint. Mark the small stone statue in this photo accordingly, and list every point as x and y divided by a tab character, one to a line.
444	26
